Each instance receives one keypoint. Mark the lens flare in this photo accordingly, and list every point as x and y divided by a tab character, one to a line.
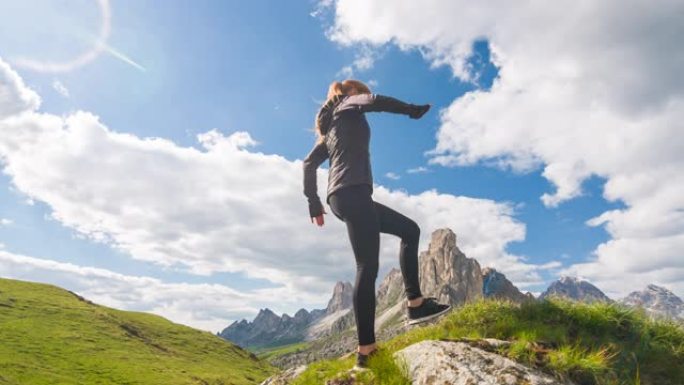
99	46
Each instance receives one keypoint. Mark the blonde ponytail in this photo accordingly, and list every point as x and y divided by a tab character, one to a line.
340	88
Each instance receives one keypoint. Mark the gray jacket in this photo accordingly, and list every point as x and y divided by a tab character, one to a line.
346	141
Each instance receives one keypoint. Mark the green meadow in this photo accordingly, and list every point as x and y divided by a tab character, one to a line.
50	336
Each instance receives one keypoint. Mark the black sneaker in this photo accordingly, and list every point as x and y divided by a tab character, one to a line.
427	310
362	360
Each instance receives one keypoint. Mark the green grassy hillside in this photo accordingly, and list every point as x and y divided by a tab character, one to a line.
597	344
51	336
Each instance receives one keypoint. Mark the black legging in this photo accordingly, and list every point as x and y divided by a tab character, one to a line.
365	220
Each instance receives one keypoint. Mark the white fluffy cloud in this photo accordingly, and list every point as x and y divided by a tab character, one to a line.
205	306
591	88
220	208
15	97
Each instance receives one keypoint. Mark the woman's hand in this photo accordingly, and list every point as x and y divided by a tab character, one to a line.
319	219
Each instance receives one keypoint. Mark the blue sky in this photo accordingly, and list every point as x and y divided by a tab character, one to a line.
262	67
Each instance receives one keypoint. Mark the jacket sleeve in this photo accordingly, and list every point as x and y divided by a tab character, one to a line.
379	103
317	155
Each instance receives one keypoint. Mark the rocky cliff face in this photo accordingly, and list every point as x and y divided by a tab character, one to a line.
495	285
446	273
341	298
575	289
656	301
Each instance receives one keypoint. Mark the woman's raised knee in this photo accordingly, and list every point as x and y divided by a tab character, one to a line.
412	233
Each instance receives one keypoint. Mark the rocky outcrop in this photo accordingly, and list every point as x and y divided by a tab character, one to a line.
495	285
458	363
657	301
446	273
575	289
341	298
453	362
285	377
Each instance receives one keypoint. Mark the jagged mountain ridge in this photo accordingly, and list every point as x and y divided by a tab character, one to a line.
445	273
269	329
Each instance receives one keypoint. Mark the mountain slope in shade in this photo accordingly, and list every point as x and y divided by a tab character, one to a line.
52	336
656	301
575	289
495	285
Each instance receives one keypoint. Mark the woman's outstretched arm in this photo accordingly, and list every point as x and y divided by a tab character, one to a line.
376	102
317	155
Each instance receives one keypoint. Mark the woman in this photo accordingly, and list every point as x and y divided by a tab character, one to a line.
343	137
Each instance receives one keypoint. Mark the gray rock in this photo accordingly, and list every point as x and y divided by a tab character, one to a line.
657	301
446	273
458	363
575	289
496	285
285	377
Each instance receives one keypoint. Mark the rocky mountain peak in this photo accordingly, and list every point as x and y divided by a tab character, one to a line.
301	314
656	301
496	285
341	297
265	315
569	280
446	273
576	289
442	240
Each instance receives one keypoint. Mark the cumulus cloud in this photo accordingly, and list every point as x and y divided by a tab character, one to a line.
15	97
219	208
584	89
5	222
204	306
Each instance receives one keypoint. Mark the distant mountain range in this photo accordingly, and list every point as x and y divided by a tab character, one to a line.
445	273
269	329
